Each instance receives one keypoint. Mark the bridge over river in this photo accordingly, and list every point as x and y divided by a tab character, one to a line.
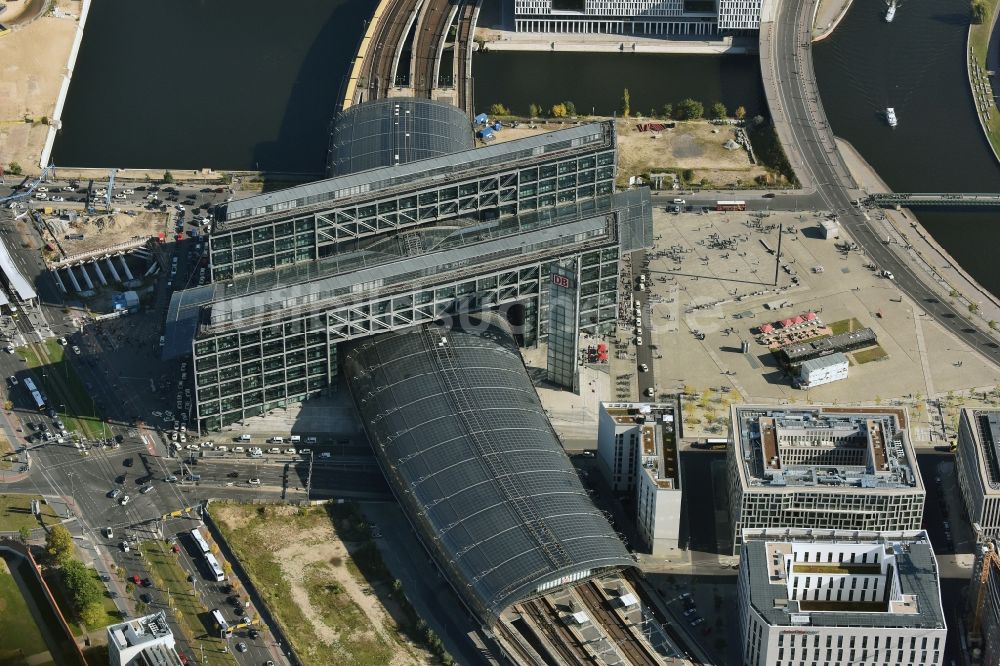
920	200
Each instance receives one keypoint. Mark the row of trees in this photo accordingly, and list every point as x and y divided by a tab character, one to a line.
686	109
978	8
83	588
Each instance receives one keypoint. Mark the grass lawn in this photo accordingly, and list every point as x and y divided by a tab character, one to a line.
19	636
5	449
167	574
979	36
62	386
875	353
15	513
110	616
845	326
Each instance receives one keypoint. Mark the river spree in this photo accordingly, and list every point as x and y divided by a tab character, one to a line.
916	65
596	81
228	84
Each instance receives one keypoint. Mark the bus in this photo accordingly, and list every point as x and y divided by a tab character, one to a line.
36	395
213	565
200	540
220	623
730	205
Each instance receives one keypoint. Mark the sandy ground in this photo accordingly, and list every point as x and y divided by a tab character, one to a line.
101	231
319	552
32	63
696	145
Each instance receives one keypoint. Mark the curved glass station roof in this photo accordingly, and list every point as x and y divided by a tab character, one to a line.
468	450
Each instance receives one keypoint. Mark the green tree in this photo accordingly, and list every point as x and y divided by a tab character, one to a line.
689	109
626	103
14	169
668	111
93	614
758	120
719	111
687	175
59	544
558	110
740	113
993	324
168	177
24	533
499	110
83	588
978	8
570	108
534	110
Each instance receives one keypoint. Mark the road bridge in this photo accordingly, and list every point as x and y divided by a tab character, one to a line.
801	124
416	48
920	200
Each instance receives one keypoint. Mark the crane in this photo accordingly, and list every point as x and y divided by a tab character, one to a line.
990	560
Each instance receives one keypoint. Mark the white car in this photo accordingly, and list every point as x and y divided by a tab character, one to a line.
109	533
128	191
41	196
193	447
69	188
179	207
13	380
120	196
643	367
124	546
42	188
124	500
58	198
76	350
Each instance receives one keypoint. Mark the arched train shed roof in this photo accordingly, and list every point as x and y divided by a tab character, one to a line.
396	130
468	450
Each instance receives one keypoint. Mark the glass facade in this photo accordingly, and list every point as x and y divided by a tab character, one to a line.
563	338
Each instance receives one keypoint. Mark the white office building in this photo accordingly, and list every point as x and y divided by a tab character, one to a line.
633	17
823	370
978	466
637	447
144	641
739	15
848	468
840	599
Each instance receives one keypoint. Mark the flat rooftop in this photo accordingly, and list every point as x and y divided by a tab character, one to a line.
139	631
984	424
659	437
893	580
823	448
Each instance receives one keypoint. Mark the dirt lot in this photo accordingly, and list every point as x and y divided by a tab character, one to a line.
32	63
321	576
696	145
102	231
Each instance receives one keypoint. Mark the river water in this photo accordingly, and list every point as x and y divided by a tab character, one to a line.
916	65
227	84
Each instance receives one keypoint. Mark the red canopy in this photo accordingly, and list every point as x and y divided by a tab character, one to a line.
786	323
767	328
798	319
602	347
810	316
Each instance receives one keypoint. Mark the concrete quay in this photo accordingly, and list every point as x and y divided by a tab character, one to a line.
491	39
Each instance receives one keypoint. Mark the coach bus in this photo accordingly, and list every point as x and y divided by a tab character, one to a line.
213	565
200	540
220	623
730	205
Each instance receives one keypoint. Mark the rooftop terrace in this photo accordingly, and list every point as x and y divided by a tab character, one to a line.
658	441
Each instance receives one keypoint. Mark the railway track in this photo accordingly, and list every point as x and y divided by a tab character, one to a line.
510	637
632	649
556	634
463	51
432	28
385	48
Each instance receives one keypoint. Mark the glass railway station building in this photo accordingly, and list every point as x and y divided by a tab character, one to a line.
413	227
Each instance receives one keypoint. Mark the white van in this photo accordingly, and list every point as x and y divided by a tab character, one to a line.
294	439
273	450
238	449
277	440
680	202
243	438
310	440
325	454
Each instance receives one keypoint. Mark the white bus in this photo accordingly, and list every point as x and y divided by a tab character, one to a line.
200	540
213	565
221	624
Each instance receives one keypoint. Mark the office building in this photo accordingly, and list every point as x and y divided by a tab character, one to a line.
635	17
984	602
978	466
840	599
823	370
144	641
845	468
298	271
637	448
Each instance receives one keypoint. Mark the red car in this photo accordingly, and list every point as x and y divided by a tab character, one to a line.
136	579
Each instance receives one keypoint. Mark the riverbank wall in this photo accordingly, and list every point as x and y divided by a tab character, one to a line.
824	10
972	87
55	120
905	229
491	39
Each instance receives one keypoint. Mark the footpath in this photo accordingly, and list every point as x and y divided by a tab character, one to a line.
909	237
